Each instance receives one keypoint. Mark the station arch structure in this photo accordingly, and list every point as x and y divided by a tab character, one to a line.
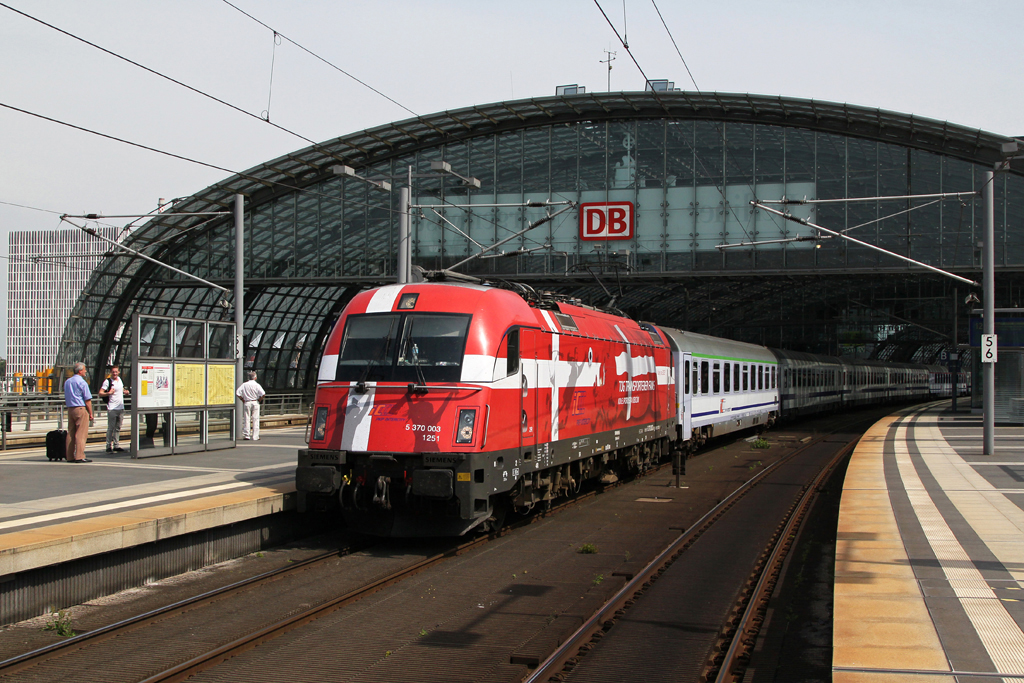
689	163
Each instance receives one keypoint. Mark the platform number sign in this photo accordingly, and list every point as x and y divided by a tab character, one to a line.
989	349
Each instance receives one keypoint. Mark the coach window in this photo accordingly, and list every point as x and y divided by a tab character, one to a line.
695	385
760	377
704	377
726	377
745	380
736	376
716	379
774	381
686	377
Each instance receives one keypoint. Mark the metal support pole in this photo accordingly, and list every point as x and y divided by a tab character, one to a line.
954	359
239	306
404	236
989	315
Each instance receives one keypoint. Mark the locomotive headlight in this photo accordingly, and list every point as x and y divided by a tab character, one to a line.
320	424
464	430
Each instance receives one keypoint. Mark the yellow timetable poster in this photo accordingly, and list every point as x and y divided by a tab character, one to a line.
189	384
220	384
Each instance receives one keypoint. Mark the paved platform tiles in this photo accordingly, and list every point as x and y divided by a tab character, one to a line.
930	553
52	512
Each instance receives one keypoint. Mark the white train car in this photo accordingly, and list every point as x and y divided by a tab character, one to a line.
722	386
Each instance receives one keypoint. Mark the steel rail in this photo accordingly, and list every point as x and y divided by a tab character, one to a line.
557	660
182	671
737	657
29	659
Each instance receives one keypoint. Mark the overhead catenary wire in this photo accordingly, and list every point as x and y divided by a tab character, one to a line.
315	55
157	73
676	46
246	176
647	83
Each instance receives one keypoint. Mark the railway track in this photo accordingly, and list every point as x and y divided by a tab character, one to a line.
206	660
62	655
732	651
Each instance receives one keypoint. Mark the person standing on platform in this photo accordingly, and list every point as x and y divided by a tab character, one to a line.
114	392
78	400
252	395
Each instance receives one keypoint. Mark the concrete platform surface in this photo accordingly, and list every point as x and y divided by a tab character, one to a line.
929	573
52	512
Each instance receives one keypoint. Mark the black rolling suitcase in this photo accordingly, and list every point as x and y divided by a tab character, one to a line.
56	446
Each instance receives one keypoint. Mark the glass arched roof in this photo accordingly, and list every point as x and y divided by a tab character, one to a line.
313	239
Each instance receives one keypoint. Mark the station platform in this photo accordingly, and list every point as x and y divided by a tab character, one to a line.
56	512
930	553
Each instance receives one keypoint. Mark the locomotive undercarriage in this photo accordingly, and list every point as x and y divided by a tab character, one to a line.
396	495
565	480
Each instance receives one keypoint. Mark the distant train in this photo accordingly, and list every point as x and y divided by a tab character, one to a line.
441	406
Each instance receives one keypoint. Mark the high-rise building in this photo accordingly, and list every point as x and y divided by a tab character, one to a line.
46	272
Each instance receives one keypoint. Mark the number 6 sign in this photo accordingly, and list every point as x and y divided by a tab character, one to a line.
989	348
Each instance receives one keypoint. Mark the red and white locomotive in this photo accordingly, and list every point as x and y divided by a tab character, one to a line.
441	406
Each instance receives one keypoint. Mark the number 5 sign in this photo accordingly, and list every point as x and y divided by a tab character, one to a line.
989	348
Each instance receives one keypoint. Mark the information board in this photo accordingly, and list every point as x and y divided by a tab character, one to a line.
220	388
189	384
154	385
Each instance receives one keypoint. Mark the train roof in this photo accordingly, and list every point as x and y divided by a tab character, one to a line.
716	347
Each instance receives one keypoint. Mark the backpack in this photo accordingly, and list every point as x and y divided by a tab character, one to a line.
106	386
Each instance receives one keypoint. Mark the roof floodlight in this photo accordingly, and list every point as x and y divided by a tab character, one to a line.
472	182
442	166
350	172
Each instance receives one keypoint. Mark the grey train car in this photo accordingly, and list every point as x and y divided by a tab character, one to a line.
812	383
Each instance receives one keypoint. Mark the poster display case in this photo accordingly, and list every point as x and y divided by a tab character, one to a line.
184	385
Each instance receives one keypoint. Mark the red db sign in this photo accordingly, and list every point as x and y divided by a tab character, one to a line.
606	221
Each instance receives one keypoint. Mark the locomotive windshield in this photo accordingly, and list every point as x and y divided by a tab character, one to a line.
412	347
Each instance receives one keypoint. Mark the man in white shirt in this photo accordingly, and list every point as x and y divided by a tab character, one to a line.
114	392
252	395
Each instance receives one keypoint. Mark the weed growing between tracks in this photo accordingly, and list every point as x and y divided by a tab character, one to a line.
60	623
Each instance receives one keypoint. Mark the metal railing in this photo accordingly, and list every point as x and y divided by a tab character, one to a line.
19	411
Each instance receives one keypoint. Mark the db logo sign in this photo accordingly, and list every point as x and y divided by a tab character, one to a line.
606	221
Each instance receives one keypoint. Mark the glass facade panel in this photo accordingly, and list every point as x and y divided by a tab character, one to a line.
690	181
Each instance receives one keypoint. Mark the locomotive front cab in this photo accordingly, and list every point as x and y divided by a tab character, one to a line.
402	414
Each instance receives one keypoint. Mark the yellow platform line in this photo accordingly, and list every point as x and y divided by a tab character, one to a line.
881	620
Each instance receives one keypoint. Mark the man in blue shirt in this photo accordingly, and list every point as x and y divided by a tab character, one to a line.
78	400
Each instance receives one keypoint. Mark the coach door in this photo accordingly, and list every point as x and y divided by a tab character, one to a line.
533	345
685	391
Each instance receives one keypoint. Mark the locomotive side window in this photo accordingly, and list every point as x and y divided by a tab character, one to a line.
704	377
716	379
506	363
512	365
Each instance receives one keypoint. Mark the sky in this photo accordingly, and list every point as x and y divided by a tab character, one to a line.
939	59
